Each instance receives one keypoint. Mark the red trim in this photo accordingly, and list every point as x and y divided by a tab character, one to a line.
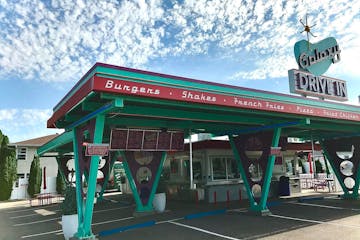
199	81
70	103
310	162
99	84
179	94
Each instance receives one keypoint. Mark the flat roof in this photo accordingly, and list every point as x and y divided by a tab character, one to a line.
156	100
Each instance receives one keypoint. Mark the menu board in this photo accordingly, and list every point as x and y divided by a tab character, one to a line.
164	141
150	140
146	140
177	141
118	139
135	139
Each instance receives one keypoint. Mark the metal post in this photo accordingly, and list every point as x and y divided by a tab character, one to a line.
89	205
269	170
191	160
242	172
156	180
337	174
357	183
313	156
79	198
111	165
139	205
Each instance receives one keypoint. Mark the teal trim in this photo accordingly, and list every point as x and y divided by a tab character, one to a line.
113	159
319	67
212	88
173	81
79	198
89	205
82	81
139	206
355	192
269	170
335	169
156	180
249	192
102	110
59	141
264	128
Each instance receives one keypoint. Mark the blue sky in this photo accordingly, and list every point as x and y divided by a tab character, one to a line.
46	46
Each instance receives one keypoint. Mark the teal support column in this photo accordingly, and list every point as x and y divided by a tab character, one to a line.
337	174
79	198
249	192
156	180
89	205
139	206
269	170
355	193
113	159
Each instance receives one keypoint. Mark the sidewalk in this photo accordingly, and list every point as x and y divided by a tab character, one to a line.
14	204
311	192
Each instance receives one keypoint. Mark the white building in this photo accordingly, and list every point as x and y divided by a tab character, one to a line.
25	152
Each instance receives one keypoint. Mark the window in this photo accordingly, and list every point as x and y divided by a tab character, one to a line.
223	168
21	175
21	153
196	170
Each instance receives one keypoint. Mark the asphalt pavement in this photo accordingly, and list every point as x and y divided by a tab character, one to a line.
315	217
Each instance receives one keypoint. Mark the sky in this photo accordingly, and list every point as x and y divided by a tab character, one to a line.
47	46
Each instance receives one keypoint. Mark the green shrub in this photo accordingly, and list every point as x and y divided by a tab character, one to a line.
60	183
69	205
34	177
7	168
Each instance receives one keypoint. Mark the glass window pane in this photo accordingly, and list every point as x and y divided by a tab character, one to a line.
232	169
21	153
219	168
197	171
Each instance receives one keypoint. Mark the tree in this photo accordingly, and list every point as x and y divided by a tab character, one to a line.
7	167
60	183
318	166
34	177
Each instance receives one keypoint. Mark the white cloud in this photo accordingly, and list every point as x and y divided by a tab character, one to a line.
23	124
65	38
62	39
8	114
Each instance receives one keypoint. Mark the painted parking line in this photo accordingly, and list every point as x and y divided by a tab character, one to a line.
126	228
59	232
111	221
314	221
324	206
35	222
153	222
40	234
204	231
30	209
55	219
241	210
33	214
171	220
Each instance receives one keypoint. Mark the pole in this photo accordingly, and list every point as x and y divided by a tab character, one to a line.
191	165
313	155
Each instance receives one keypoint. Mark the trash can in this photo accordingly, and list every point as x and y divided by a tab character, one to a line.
284	186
